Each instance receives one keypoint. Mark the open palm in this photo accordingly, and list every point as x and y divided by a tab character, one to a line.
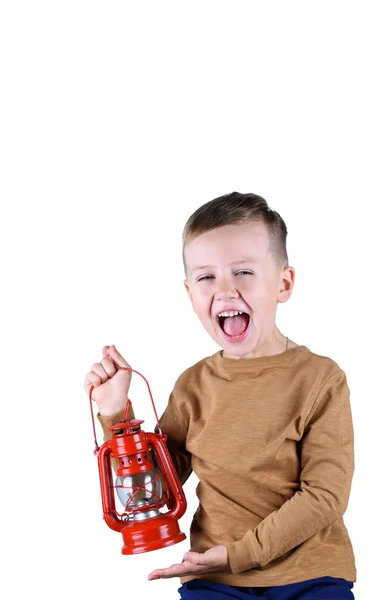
214	560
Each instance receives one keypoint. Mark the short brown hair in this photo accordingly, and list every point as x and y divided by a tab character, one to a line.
238	208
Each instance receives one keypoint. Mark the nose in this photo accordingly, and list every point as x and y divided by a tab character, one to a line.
226	290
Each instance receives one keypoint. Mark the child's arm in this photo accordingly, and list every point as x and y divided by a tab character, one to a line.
327	461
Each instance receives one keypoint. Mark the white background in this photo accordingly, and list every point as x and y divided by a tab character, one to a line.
118	119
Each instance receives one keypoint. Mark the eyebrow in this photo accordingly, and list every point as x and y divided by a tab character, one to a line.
236	262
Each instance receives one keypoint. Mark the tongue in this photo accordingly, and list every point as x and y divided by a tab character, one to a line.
235	325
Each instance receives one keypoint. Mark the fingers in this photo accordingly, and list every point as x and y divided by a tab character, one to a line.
174	571
108	384
91	378
212	561
112	352
101	372
107	365
96	376
104	373
196	558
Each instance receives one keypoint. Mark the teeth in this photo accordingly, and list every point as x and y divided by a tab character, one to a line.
231	313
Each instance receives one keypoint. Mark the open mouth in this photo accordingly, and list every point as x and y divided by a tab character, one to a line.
234	327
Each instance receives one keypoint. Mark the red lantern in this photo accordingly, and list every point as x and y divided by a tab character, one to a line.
146	481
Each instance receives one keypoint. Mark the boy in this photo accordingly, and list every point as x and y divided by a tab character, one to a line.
265	423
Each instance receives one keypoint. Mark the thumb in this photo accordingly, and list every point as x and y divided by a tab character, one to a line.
112	352
193	557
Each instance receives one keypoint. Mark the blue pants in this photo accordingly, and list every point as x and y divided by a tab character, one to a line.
321	588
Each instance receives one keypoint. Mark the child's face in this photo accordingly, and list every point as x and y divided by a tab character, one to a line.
230	269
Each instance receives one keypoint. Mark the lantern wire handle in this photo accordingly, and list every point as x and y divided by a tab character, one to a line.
128	403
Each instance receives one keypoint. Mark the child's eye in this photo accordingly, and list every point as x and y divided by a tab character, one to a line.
206	277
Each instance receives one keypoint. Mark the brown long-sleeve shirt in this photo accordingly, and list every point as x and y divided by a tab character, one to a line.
271	442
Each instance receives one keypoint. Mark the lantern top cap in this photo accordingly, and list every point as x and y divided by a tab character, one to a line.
131	424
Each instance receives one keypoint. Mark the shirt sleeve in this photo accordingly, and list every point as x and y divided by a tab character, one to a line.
327	466
107	421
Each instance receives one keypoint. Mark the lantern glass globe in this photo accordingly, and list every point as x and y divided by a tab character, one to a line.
140	489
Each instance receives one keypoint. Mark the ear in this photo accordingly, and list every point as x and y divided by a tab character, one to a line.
187	287
286	283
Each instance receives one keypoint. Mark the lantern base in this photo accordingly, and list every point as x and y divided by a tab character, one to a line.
151	534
